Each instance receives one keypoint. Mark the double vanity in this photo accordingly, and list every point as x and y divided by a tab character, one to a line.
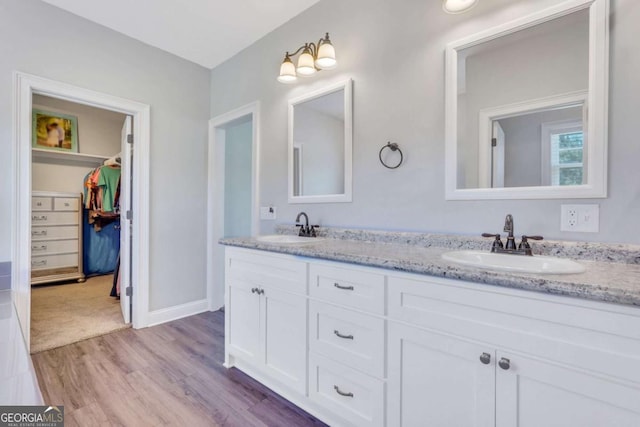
379	329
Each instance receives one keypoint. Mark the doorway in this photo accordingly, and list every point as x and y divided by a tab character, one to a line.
134	210
233	192
76	229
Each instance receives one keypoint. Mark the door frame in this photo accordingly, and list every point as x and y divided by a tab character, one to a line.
24	87
215	194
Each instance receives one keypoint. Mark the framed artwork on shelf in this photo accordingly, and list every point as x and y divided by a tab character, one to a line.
54	131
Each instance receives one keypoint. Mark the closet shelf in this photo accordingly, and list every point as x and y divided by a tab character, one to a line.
60	157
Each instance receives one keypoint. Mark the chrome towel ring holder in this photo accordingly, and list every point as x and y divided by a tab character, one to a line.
393	147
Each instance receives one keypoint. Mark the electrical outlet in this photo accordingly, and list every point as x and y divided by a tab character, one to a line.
580	218
267	213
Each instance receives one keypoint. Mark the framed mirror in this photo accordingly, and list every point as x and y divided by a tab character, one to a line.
526	107
320	145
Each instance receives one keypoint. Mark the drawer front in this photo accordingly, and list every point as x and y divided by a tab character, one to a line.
41	203
266	269
53	247
354	339
353	287
351	395
54	261
48	233
577	333
65	203
54	218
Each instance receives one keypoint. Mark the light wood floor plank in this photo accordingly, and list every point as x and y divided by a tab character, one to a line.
166	375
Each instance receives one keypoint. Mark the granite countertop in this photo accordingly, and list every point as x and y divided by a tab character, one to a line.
612	271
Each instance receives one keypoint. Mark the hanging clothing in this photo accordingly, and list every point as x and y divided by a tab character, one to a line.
109	180
102	194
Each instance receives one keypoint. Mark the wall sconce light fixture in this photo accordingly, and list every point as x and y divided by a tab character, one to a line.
314	57
458	6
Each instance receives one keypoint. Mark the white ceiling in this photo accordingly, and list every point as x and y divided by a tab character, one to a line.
206	32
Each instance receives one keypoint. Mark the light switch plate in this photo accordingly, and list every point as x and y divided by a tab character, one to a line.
580	218
267	213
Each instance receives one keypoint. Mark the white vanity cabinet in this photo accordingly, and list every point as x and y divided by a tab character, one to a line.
468	355
267	316
361	346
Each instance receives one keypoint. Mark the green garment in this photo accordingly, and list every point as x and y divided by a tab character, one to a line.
108	180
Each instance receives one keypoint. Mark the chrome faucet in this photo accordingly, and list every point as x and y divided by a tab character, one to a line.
305	229
510	247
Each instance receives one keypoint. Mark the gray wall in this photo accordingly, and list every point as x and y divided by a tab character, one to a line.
40	39
394	51
98	133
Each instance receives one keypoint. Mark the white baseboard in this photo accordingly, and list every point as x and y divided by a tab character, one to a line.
164	315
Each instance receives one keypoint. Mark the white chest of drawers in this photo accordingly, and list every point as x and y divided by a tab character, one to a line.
56	237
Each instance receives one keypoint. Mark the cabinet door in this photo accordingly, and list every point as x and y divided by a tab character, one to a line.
533	393
244	322
285	337
438	380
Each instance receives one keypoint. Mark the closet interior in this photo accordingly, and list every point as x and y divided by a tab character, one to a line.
75	219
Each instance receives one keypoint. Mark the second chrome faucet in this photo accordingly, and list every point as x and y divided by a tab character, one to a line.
510	247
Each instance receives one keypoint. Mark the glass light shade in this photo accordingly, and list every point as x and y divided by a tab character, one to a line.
287	72
305	64
326	56
458	6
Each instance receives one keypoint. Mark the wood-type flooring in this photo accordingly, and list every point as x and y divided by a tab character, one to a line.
165	375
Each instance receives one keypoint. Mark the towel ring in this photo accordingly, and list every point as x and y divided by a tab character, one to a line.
393	147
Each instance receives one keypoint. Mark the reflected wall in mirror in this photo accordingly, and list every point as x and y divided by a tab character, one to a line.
527	107
320	145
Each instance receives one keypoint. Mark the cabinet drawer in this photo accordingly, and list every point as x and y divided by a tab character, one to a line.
53	247
350	286
41	203
266	269
48	233
54	218
351	395
65	204
355	339
54	261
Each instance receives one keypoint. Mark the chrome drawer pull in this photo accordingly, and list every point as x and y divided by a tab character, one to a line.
342	393
346	337
39	218
38	263
345	288
39	233
39	248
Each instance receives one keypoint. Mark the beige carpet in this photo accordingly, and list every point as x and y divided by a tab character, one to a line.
62	314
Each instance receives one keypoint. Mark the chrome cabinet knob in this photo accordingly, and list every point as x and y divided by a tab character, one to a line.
504	363
485	358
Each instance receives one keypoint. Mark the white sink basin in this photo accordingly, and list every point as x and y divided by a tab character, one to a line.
285	239
514	263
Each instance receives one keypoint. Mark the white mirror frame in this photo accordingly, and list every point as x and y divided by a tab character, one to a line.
345	85
597	102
